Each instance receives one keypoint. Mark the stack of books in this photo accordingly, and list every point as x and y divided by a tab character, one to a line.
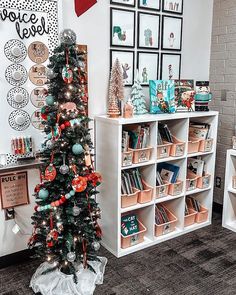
195	204
163	134
167	173
129	224
161	215
199	130
131	179
136	139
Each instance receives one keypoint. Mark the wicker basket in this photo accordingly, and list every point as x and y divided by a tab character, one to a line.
134	239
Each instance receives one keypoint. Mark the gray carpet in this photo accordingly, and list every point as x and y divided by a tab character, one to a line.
202	262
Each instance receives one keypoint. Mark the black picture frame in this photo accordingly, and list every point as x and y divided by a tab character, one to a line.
112	10
140	13
163	31
172	11
149	8
162	59
157	65
113	2
125	52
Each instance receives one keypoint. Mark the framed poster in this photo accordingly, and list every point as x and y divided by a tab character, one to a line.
122	28
148	30
14	189
170	66
172	27
147	65
154	5
130	3
173	6
126	59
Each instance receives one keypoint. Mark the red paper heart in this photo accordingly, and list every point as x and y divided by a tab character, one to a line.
81	6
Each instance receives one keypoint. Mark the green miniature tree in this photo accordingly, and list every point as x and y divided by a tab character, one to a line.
138	98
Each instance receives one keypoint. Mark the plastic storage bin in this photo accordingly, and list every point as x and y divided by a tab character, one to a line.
202	216
176	188
206	145
190	218
165	228
163	151
162	190
130	200
146	195
134	239
204	181
193	145
177	148
127	158
191	181
141	155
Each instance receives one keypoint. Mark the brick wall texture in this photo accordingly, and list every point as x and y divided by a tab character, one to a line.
223	81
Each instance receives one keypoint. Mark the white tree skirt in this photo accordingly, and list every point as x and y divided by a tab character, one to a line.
58	283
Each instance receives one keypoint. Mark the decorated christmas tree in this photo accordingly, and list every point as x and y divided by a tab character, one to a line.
65	228
116	90
138	98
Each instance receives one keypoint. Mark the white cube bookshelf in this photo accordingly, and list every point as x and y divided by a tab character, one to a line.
108	133
229	207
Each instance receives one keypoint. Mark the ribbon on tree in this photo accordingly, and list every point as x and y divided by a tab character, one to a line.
81	6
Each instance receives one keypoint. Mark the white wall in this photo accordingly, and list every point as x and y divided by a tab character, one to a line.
93	29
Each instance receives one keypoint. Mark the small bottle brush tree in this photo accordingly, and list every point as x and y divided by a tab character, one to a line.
65	228
138	98
116	90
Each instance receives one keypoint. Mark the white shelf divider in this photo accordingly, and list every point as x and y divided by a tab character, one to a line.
108	134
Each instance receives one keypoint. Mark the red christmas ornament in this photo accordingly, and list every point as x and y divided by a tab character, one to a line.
79	184
50	173
67	124
95	178
62	126
82	6
37	188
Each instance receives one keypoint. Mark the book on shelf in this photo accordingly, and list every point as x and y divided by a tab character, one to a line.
168	172
186	211
161	215
139	137
129	224
196	205
196	166
199	130
159	139
165	132
129	179
159	180
125	141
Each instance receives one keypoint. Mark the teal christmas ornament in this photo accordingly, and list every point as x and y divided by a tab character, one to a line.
43	194
77	149
50	100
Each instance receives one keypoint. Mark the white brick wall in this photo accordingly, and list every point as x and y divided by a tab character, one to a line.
223	77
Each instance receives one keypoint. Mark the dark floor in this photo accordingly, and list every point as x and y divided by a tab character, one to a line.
202	262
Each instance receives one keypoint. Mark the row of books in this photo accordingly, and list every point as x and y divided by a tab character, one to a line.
199	130
163	134
161	215
195	204
166	173
197	166
137	138
130	179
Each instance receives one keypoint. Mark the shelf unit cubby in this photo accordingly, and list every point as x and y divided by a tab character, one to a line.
108	133
229	206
